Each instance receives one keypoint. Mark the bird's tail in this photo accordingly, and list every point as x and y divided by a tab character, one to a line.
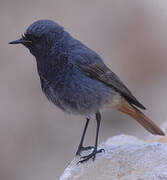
132	111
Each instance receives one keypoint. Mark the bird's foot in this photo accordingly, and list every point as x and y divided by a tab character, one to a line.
91	155
81	148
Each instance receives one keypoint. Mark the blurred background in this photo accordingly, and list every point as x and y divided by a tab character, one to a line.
37	140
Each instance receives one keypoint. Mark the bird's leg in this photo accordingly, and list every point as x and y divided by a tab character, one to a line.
80	147
95	151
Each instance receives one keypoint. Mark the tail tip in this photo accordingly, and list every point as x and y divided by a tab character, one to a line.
160	133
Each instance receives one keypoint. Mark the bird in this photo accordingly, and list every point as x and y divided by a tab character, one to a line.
75	79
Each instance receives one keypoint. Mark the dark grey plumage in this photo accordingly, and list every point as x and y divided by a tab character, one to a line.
62	80
59	57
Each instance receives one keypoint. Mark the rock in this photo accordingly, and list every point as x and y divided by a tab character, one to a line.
125	158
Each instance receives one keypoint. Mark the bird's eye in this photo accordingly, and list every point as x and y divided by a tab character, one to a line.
30	37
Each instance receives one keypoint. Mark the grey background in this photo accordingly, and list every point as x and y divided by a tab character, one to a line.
37	140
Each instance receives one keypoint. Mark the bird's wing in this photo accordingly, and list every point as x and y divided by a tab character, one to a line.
101	72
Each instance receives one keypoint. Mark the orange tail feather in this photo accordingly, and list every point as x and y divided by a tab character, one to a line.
126	108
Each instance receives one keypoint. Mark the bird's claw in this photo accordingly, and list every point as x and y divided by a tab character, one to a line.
91	155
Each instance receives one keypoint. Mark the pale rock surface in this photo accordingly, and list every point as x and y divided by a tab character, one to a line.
125	158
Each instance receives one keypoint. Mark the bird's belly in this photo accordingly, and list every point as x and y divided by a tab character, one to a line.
84	99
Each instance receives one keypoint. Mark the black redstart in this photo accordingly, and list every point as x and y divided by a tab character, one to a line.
76	80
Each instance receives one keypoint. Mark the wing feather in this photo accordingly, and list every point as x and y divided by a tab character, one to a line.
101	72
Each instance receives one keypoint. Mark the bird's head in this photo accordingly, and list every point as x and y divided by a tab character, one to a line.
40	36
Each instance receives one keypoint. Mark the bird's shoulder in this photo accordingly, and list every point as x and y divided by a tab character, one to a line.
81	54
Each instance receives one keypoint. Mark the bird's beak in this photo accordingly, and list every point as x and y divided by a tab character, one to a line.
20	41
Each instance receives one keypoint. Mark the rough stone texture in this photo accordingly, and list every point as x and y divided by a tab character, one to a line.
125	158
